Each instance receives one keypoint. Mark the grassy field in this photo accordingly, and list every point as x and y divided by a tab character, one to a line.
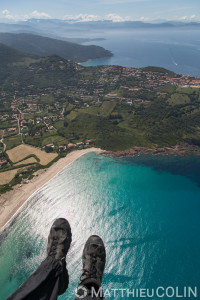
104	110
6	177
72	115
22	151
12	142
177	99
54	139
47	98
26	62
188	90
30	160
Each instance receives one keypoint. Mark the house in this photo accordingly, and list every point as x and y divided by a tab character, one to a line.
111	96
61	148
11	129
50	145
3	162
79	144
138	100
70	145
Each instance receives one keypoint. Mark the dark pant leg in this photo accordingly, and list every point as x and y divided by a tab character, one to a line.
89	293
46	283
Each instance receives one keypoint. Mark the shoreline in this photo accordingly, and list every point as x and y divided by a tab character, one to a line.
12	201
180	150
94	59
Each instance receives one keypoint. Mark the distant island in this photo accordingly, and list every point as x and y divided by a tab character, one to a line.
53	105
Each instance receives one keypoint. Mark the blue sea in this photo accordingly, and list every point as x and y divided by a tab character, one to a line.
146	209
176	49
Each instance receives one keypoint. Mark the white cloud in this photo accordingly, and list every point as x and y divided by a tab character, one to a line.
35	14
5	12
39	15
143	19
114	18
184	18
81	18
90	18
193	17
188	18
117	18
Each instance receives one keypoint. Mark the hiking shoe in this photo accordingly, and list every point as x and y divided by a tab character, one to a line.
93	259
59	239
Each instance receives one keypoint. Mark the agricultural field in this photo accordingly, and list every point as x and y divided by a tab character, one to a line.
27	161
22	151
6	177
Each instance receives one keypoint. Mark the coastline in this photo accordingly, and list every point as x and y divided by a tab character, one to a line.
180	150
12	201
94	59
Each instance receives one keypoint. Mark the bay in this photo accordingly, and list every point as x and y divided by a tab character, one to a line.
176	49
145	208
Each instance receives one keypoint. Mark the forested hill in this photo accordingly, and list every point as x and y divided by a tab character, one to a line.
10	55
44	46
19	69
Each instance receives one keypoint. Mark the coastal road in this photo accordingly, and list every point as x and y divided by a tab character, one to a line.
1	140
18	122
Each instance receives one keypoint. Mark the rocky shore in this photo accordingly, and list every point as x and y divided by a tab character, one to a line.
182	150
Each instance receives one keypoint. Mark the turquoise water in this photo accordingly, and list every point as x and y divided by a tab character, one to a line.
172	48
146	209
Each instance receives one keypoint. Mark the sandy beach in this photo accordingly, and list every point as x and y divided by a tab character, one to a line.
13	200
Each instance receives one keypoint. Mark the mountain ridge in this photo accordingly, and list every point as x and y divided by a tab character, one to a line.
45	46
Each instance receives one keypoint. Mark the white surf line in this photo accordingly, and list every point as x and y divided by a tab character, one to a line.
29	198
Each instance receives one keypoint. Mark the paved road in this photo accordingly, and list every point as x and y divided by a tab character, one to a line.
1	140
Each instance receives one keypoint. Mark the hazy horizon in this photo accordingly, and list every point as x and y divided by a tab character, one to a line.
113	10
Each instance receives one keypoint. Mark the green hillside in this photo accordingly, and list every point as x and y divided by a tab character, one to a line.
44	46
10	55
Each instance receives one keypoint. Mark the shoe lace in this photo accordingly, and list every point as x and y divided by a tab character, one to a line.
53	246
92	272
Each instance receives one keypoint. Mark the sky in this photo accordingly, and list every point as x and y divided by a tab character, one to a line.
93	10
